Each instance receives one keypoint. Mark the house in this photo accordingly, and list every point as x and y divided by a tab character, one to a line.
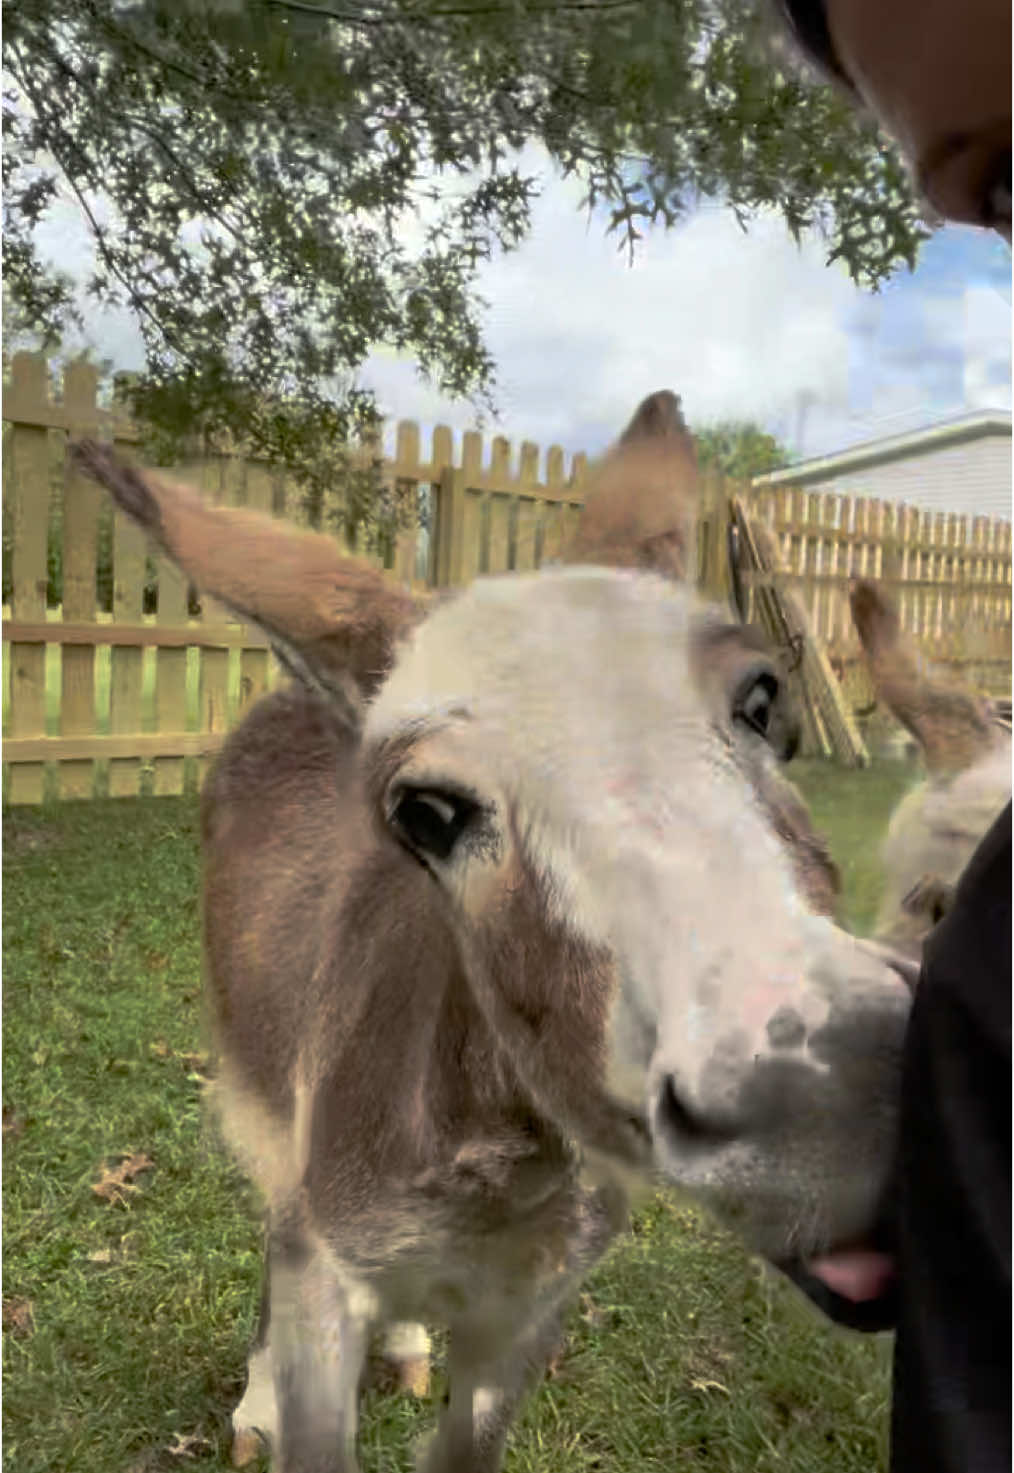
960	466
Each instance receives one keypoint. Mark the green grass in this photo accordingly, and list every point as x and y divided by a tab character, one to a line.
684	1352
852	808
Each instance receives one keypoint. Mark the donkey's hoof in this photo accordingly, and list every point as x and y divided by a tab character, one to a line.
247	1446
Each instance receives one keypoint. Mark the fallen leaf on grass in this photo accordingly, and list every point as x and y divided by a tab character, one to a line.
590	1311
710	1386
198	1063
18	1316
116	1181
121	1253
188	1446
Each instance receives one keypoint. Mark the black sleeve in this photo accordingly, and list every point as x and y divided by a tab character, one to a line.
952	1371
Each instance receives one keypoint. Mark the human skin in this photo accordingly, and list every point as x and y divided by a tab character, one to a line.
937	73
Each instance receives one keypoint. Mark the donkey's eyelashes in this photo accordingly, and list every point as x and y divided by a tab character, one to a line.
430	821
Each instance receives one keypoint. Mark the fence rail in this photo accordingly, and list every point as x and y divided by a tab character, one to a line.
141	701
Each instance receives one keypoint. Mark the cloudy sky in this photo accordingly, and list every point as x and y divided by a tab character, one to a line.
741	325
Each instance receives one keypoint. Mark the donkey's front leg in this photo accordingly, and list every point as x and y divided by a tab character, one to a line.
487	1386
321	1315
504	1344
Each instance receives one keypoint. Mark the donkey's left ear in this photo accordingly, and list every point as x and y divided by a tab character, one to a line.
333	621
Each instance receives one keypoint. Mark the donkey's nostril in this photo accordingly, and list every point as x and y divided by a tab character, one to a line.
683	1125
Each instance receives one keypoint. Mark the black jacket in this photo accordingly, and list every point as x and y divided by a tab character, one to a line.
952	1360
948	1219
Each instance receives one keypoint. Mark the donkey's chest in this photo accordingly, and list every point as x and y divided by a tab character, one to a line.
441	1259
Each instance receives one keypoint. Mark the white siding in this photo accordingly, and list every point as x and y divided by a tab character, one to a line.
970	479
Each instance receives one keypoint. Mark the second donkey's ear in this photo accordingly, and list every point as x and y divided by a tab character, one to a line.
333	621
640	506
950	722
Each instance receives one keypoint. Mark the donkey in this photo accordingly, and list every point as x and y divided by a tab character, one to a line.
495	929
966	747
644	519
639	512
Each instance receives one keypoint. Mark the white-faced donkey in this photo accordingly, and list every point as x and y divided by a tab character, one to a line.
496	923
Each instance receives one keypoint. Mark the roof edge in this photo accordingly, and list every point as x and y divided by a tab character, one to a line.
891	447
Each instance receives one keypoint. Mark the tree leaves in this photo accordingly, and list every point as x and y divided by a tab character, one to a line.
277	187
739	449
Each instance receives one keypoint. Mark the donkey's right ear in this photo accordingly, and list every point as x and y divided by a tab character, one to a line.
950	722
333	621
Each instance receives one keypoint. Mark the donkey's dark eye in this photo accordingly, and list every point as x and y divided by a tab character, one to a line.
431	821
754	701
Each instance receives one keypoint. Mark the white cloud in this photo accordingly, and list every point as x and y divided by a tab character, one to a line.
739	325
987	348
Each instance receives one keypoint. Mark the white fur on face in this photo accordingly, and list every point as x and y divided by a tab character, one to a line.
576	710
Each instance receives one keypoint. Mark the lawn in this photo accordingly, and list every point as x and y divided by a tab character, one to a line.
127	1315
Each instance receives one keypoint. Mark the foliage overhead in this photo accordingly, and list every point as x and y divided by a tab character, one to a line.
274	188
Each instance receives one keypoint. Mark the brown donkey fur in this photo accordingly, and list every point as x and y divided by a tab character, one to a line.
639	511
967	751
496	923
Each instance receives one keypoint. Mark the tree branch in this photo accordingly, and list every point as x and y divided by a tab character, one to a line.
111	263
352	18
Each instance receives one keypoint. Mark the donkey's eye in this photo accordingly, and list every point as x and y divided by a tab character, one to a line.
431	821
754	701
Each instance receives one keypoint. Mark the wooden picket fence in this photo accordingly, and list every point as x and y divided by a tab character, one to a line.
950	575
123	702
143	702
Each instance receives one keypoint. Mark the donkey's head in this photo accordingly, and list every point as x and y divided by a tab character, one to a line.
546	747
938	825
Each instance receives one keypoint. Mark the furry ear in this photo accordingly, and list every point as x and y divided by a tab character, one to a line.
658	417
332	621
640	508
950	723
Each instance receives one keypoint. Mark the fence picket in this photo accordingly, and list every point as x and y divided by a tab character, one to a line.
30	514
499	532
126	662
951	576
170	677
227	488
80	544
